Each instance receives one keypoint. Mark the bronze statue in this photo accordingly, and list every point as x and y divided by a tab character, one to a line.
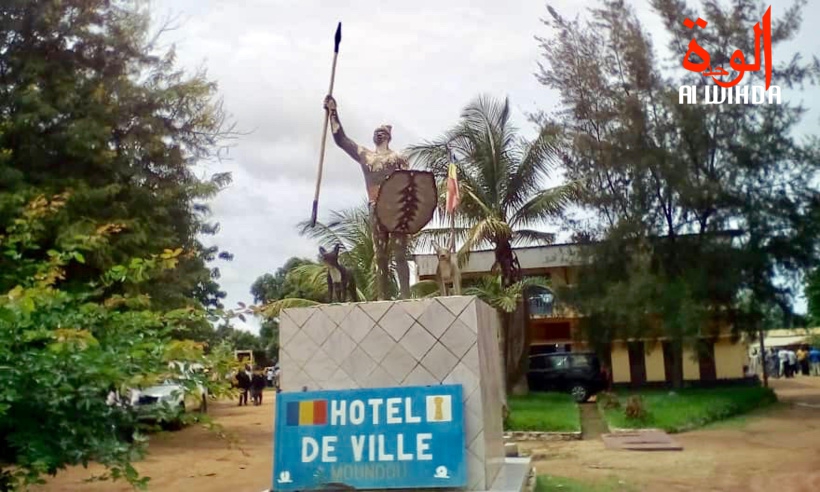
339	280
376	166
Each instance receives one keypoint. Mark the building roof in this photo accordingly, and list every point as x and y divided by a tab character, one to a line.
531	257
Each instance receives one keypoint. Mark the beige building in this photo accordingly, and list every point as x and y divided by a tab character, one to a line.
554	327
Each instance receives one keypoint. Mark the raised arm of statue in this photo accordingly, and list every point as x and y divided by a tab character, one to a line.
342	140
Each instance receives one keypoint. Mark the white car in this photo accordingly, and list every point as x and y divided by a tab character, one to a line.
147	401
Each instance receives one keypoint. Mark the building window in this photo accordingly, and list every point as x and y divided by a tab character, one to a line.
540	300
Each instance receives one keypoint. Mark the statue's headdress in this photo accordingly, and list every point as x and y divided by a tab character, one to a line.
386	128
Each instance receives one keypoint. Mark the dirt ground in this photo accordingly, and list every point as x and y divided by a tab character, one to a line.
775	449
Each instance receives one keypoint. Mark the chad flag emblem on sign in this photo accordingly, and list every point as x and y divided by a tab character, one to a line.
313	412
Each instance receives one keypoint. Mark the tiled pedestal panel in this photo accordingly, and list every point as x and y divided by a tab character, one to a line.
450	340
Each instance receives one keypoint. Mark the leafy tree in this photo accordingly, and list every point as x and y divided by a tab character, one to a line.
272	288
691	209
62	352
89	104
269	287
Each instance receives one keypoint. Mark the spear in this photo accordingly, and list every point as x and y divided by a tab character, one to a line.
338	40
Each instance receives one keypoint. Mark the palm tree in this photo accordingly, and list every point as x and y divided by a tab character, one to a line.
508	301
352	229
501	177
503	202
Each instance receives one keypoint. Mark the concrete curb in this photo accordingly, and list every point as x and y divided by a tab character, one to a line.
542	436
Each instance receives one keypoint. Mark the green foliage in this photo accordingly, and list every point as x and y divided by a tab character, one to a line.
269	287
546	483
690	408
543	412
62	352
489	289
352	229
695	216
608	400
107	116
635	410
813	296
501	179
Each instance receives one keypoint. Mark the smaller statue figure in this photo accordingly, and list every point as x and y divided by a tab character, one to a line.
339	280
447	271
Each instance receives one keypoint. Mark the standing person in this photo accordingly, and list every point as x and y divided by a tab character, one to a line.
243	382
277	378
783	358
814	360
257	387
753	360
803	360
792	363
269	376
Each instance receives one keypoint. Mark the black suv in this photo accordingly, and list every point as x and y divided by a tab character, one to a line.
576	373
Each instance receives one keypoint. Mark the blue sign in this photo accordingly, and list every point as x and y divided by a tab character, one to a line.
384	438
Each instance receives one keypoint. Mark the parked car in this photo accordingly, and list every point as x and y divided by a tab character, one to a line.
577	373
148	401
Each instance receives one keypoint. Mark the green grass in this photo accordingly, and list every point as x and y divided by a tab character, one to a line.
543	412
546	483
690	408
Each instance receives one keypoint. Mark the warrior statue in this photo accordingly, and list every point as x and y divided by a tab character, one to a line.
402	209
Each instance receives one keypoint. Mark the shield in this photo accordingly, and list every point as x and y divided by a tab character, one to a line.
406	201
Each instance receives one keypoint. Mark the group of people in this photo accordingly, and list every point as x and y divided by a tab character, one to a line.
785	362
254	382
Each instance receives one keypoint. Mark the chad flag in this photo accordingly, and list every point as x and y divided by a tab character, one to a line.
313	412
453	196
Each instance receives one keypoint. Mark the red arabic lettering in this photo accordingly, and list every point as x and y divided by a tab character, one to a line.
695	48
738	60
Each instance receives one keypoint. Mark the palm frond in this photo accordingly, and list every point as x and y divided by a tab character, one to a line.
533	168
531	237
491	290
544	205
274	309
424	289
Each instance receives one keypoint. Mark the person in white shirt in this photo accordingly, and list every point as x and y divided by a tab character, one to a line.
783	357
792	363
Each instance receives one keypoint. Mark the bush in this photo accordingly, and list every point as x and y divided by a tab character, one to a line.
609	400
688	408
636	409
62	352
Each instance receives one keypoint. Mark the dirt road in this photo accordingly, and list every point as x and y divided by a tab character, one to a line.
777	449
196	459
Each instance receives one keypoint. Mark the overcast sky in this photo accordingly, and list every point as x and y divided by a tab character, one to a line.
413	64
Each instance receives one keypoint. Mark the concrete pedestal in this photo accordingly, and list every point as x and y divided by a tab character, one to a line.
449	340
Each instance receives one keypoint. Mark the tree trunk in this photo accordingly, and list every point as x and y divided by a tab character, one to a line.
516	349
677	364
508	263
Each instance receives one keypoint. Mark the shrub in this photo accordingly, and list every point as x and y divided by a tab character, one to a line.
609	400
636	409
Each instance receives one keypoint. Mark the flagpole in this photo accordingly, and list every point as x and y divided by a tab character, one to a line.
452	212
